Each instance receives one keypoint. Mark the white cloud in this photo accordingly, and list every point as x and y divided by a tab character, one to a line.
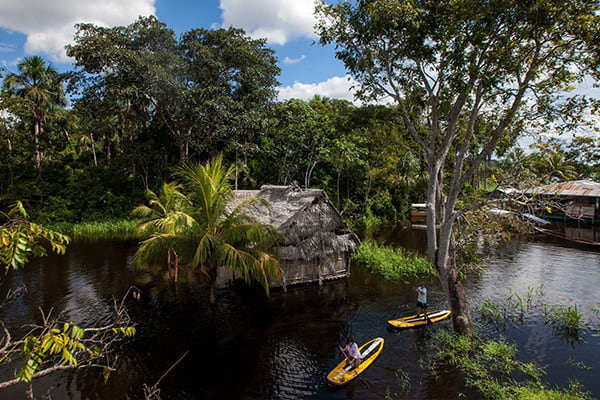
288	60
7	47
337	87
49	25
277	20
12	63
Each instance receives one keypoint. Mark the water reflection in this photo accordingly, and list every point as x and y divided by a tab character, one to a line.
253	347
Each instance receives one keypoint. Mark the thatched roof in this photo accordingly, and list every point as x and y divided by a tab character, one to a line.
312	225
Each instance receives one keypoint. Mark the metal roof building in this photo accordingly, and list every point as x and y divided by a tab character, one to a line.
582	199
583	188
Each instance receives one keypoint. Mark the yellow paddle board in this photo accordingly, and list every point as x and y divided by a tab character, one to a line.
342	373
419	320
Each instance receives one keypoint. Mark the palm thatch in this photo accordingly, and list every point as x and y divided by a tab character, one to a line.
319	243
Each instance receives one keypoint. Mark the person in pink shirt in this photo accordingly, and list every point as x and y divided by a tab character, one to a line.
352	353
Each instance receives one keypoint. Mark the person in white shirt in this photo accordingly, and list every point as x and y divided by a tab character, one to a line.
353	356
422	300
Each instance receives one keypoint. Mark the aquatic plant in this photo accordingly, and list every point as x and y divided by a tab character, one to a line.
402	379
115	229
575	391
393	263
490	367
513	309
566	322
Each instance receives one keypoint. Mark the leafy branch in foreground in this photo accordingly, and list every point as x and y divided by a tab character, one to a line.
20	239
55	345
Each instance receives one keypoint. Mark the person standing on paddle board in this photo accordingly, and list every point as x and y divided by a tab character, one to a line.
422	300
353	355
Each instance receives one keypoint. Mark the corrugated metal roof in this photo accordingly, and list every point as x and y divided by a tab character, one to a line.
582	188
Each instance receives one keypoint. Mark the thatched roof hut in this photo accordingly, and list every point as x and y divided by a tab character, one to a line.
319	243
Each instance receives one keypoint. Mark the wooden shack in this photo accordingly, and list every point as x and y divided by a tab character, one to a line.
319	243
575	201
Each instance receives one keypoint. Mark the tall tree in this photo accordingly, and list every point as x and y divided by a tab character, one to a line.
42	87
449	64
208	84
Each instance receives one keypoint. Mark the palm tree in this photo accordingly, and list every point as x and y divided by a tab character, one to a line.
165	213
209	235
42	88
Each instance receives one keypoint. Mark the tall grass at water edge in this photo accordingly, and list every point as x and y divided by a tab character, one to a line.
393	263
116	229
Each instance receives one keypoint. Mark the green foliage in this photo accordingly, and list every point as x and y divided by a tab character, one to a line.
393	263
56	342
513	309
125	331
566	320
200	230
119	229
21	239
366	222
492	368
574	392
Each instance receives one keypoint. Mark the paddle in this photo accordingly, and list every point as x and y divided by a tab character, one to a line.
356	373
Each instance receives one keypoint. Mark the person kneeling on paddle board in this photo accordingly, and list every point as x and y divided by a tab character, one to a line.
422	301
353	356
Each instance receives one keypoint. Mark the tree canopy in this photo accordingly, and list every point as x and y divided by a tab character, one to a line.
464	76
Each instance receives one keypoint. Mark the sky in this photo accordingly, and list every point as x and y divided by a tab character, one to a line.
44	27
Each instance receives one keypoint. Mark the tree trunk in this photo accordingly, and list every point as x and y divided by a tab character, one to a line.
213	290
36	141
461	313
337	191
93	149
181	147
443	257
169	263
107	142
187	146
176	267
236	169
10	169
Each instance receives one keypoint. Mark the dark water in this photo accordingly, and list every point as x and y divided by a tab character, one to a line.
253	347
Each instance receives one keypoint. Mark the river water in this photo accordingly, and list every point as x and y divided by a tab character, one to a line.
253	347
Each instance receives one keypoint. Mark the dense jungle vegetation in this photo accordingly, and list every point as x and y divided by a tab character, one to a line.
85	145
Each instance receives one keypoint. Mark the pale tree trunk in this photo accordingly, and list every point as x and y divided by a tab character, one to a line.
308	173
442	253
236	169
36	141
337	186
10	169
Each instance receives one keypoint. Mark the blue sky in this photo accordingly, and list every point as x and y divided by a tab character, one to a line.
42	27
